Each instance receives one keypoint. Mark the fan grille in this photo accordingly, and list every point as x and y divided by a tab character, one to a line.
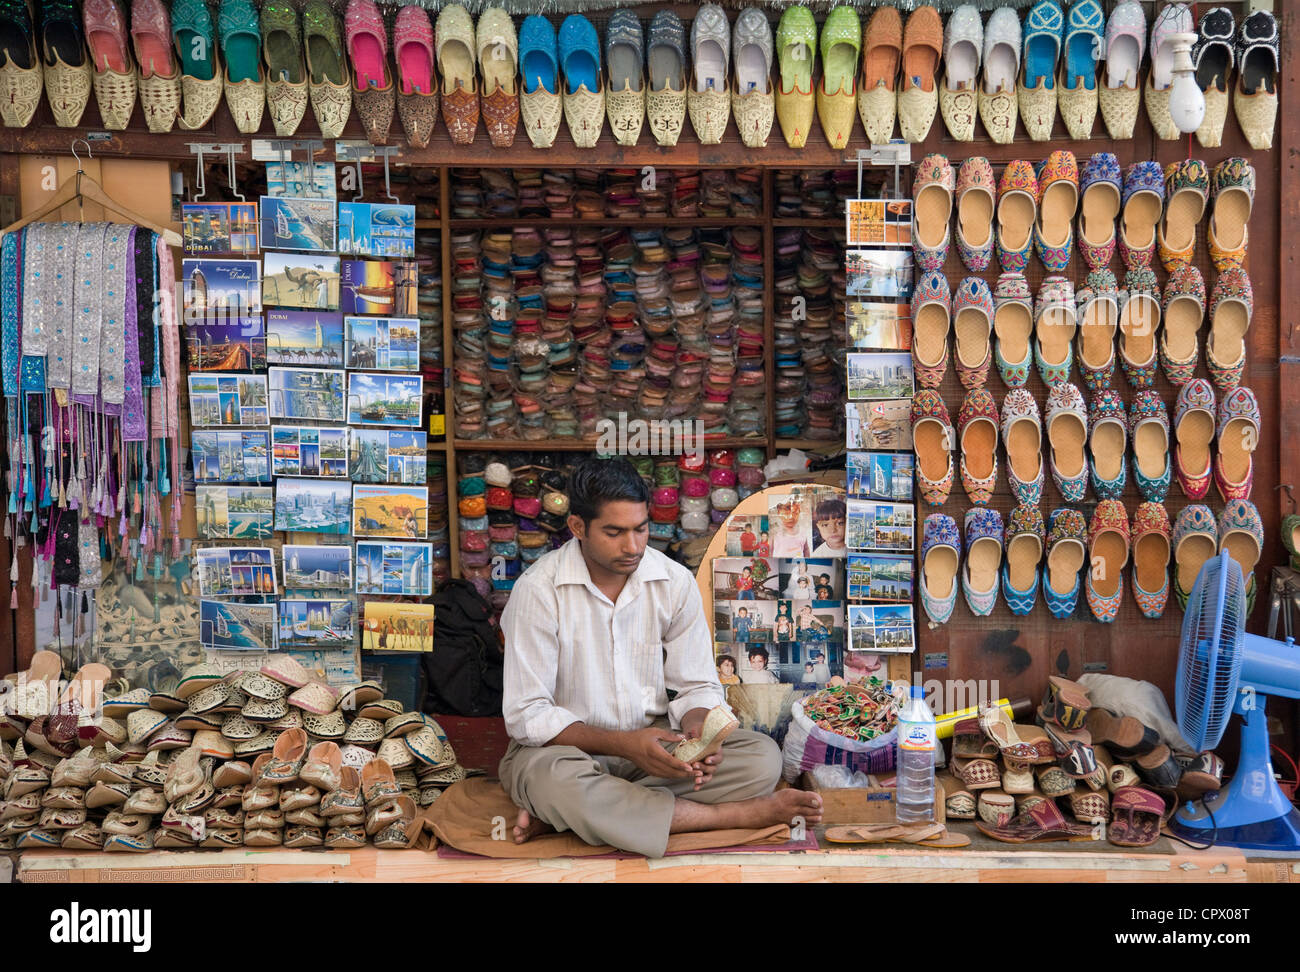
1209	663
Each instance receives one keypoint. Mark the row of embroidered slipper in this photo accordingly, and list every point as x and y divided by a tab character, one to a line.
1087	444
1017	559
1149	328
1143	211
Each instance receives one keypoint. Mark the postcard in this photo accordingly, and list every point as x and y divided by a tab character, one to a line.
879	475
877	222
879	375
395	568
881	628
309	450
226	346
376	229
397	626
879	425
308	623
296	179
379	287
295	337
317	566
231	457
744	578
382	343
219	229
881	577
862	665
881	526
748	536
808	665
234	512
808	579
221	290
235	626
744	621
220	399
307	393
879	274
228	571
886	327
303	280
384	399
390	511
389	456
298	224
313	506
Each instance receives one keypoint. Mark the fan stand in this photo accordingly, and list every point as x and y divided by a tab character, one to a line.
1252	812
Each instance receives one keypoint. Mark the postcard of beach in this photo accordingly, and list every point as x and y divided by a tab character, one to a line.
384	399
234	512
318	566
231	457
219	229
310	450
229	571
396	626
228	291
310	624
382	343
378	287
220	399
298	224
390	511
376	229
310	337
395	568
232	626
313	506
302	280
388	456
226	346
307	393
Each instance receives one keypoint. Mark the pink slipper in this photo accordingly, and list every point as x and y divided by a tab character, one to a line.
413	45
367	44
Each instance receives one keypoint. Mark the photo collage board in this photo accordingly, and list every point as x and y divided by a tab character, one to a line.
780	591
880	521
306	402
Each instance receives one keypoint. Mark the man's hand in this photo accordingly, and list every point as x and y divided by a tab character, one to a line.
644	747
692	723
705	768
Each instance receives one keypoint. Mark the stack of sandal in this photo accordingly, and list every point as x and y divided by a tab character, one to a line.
1112	774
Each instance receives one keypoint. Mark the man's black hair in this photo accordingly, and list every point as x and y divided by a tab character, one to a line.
761	652
596	481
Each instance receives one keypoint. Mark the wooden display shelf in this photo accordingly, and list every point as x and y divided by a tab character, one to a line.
657	222
876	865
584	445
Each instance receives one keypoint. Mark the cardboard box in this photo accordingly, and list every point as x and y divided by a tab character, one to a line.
844	806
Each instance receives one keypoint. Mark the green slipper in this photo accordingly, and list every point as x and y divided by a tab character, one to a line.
841	41
796	44
240	40
1291	538
195	41
282	43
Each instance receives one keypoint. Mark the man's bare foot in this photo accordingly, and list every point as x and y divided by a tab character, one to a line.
526	828
784	805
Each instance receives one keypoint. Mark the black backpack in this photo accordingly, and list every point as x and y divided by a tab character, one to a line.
464	670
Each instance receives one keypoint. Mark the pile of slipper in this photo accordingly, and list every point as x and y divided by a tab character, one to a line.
257	758
1113	774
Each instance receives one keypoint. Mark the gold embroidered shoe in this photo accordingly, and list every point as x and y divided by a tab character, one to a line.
160	77
21	77
666	99
201	79
498	53
244	80
460	103
718	725
963	40
837	96
328	90
114	78
625	88
998	103
373	93
918	96
752	101
796	46
65	64
286	77
539	102
709	98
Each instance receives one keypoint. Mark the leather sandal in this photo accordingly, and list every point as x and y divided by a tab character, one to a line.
977	774
1041	822
1066	704
1159	768
1124	736
1136	816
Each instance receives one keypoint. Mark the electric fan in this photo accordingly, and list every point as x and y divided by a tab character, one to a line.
1222	670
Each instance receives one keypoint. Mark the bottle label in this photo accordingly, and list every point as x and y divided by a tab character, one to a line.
916	737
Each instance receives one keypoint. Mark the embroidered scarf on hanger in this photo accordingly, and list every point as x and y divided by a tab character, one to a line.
88	310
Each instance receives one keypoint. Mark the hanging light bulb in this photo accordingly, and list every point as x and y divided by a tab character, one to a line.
1186	100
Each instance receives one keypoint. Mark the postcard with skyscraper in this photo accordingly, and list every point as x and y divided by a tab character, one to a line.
390	511
307	393
233	626
310	450
223	291
229	571
302	280
879	475
317	566
234	512
384	399
388	456
231	457
879	376
378	287
316	624
881	577
234	346
313	506
376	229
219	399
382	343
298	224
404	569
219	229
297	337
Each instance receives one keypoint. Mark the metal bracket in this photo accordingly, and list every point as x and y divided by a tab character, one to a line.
897	153
228	149
355	150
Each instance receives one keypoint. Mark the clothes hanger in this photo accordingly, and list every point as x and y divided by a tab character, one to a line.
85	189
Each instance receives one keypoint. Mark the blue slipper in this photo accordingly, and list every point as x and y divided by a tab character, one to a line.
1083	42
538	57
1043	32
579	54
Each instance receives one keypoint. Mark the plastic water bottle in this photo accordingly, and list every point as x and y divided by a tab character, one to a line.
914	795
